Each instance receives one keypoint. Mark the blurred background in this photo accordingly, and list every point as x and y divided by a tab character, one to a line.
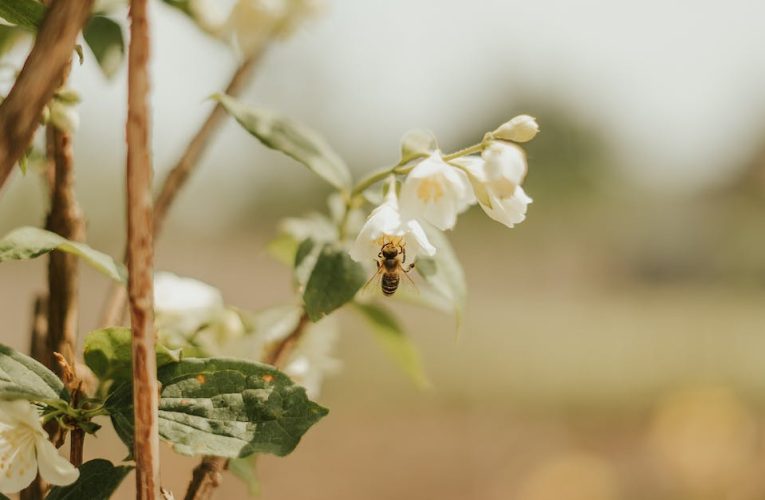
613	342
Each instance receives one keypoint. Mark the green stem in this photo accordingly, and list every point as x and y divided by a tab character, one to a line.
475	148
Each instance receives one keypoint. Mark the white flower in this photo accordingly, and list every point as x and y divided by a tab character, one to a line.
384	225
312	360
522	128
184	304
436	192
24	448
501	170
211	15
253	22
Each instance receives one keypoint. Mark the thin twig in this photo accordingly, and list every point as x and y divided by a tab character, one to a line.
39	78
36	490
65	218
140	258
207	475
116	298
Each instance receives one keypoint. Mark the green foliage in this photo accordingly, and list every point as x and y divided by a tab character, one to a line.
104	37
31	242
98	480
244	469
26	14
21	377
108	353
223	407
443	272
334	281
395	342
292	139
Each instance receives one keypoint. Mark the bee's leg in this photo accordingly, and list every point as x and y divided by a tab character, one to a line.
377	262
411	266
403	253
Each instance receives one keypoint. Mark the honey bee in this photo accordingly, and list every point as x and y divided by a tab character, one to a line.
390	264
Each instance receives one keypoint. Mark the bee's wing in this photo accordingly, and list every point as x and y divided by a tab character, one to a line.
378	275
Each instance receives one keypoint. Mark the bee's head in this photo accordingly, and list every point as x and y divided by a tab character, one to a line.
389	251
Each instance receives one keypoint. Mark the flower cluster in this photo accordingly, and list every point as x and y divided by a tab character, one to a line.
437	188
25	449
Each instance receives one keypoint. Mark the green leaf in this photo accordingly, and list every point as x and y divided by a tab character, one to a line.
443	272
98	479
244	469
3	497
9	35
395	342
30	242
21	377
26	14
104	37
334	280
223	407
292	139
108	353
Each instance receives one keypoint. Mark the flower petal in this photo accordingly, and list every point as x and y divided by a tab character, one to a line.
17	459
418	241
53	467
509	211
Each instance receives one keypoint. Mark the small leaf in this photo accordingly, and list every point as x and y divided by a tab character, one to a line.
98	479
26	14
108	353
21	377
283	248
334	280
292	139
104	37
30	242
223	407
444	274
395	342
417	144
244	469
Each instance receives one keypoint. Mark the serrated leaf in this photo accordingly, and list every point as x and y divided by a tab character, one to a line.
26	14
98	479
223	407
104	37
292	139
391	336
443	272
108	352
334	281
31	242
21	377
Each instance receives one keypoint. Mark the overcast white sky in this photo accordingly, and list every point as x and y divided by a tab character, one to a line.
674	87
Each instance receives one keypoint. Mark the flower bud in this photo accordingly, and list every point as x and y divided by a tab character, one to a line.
522	128
417	144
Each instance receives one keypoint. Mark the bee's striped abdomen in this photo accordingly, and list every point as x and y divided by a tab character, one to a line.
390	283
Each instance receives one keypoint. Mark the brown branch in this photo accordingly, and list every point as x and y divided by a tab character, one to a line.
41	75
114	306
140	257
207	475
65	218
